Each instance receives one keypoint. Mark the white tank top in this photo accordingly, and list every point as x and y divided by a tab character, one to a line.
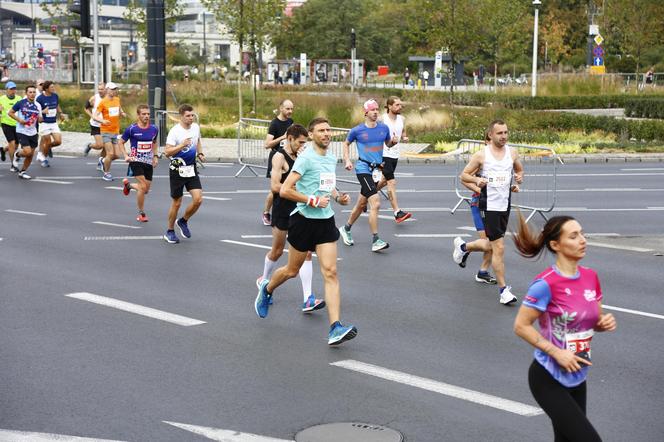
499	176
396	129
94	110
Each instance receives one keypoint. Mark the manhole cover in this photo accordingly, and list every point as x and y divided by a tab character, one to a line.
348	432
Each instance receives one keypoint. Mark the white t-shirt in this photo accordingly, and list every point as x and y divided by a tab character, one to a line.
396	129
97	100
178	134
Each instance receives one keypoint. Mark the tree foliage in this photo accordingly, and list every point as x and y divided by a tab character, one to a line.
136	13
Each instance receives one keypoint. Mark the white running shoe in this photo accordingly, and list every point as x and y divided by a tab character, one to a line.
24	176
15	160
457	254
506	297
40	156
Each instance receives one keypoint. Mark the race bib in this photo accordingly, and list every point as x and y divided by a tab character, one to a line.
144	146
328	180
579	343
113	111
187	171
51	112
499	179
377	174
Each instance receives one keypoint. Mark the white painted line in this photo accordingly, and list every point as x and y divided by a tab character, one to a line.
222	192
259	246
607	174
221	435
655	208
136	309
613	246
614	189
589	235
43	180
113	187
22	212
103	223
634	312
469	228
431	235
205	197
119	238
255	236
440	387
642	169
29	436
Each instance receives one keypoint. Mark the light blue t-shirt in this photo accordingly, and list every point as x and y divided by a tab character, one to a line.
369	141
318	177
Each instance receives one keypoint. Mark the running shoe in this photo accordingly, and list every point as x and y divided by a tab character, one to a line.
24	176
13	169
50	153
267	219
88	148
184	228
485	277
44	163
100	164
3	157
458	254
170	237
15	160
40	156
258	285
402	216
262	303
312	304
379	245
340	333
125	187
107	176
506	296
142	217
346	236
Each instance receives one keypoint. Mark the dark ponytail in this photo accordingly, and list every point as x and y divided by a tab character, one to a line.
531	245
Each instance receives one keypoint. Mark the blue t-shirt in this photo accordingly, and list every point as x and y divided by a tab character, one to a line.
141	140
28	111
51	102
369	141
318	177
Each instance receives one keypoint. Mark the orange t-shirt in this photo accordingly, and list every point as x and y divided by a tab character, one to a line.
110	111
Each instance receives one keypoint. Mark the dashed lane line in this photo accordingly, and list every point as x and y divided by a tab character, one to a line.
618	247
44	180
633	312
23	212
120	238
104	223
431	235
221	435
30	436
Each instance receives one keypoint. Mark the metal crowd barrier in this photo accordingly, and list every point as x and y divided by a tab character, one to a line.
537	193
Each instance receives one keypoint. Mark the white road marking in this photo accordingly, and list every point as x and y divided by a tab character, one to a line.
23	212
440	387
29	436
600	234
260	246
136	309
103	223
655	208
255	236
221	435
43	180
613	189
222	192
469	228
634	312
114	187
613	246
119	238
431	235
639	169
205	197
390	217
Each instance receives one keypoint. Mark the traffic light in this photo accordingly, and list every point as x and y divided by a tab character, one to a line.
81	8
54	30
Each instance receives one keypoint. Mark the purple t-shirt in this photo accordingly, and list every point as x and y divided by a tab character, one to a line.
570	311
141	140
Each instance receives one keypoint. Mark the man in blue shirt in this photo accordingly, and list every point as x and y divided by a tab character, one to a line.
28	113
369	138
49	129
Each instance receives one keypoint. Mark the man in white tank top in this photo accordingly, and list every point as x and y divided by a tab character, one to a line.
393	119
497	165
95	126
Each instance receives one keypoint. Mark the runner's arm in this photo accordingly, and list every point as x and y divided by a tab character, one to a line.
347	163
199	149
470	171
271	142
88	108
12	114
470	185
404	134
289	192
155	153
518	167
275	178
606	321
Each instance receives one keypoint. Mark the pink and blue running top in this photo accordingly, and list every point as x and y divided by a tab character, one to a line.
570	311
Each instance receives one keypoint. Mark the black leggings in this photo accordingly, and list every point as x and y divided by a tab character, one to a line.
565	406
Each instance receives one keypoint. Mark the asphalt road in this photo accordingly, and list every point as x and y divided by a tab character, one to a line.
73	367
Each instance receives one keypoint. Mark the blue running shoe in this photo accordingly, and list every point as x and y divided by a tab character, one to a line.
312	304
262	303
100	164
170	237
340	333
184	228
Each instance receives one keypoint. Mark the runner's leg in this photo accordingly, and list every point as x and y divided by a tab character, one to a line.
327	258
196	200
290	270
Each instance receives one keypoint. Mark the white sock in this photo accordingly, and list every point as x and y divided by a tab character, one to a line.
306	274
268	268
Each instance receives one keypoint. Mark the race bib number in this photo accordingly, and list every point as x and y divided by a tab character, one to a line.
144	146
51	112
579	343
377	174
187	171
499	179
328	180
113	111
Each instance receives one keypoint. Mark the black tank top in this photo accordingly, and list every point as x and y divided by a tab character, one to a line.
284	206
290	163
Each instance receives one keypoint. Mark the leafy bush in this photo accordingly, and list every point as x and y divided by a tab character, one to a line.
645	108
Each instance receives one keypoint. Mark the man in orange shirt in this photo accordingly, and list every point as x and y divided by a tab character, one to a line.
108	114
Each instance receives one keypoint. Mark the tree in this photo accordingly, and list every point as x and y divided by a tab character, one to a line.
136	14
250	21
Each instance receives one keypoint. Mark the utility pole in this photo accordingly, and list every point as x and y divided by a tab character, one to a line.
157	64
352	60
204	48
239	64
95	39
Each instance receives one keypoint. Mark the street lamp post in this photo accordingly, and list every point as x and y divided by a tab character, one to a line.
536	5
204	48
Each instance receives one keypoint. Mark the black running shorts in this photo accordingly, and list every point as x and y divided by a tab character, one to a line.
281	210
389	166
10	132
304	234
95	130
495	223
27	140
141	169
178	184
367	185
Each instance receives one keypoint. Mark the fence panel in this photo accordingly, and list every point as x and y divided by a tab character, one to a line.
537	194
